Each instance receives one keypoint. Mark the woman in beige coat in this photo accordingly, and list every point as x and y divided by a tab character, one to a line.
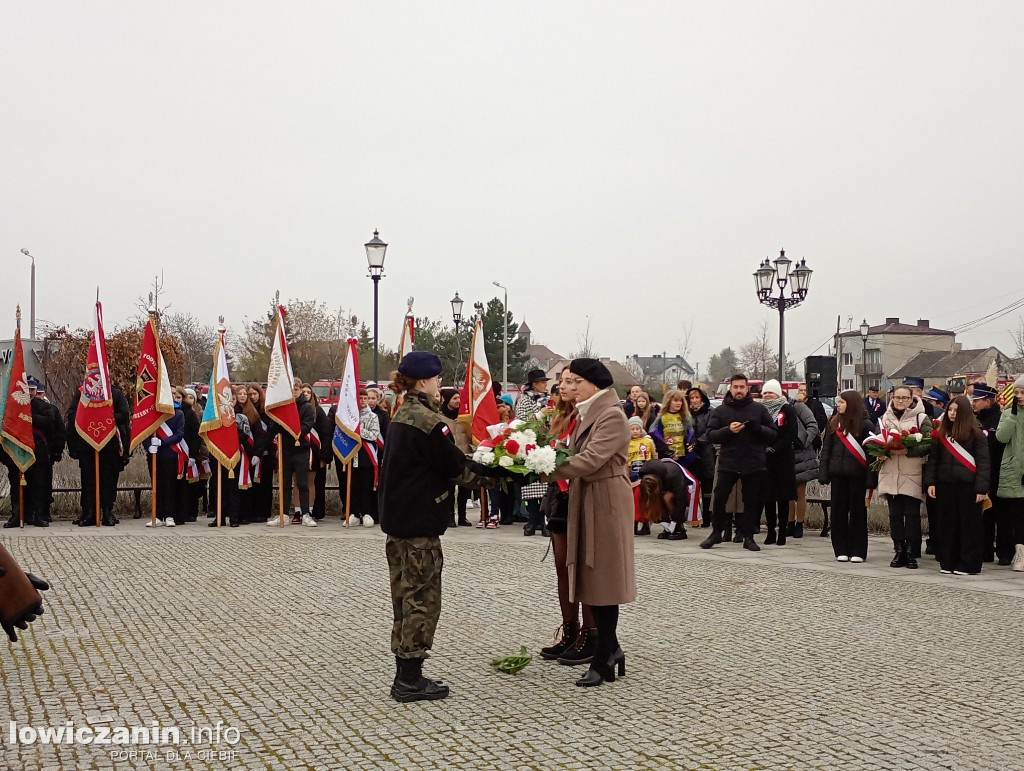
901	477
600	533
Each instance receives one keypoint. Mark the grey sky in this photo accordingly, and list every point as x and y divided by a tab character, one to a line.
630	161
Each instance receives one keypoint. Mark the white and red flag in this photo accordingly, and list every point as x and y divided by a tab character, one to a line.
154	401
218	422
347	430
478	407
94	418
281	407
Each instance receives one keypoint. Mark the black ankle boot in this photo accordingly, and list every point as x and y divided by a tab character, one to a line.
798	530
911	561
411	685
900	560
781	540
770	538
582	651
790	528
570	632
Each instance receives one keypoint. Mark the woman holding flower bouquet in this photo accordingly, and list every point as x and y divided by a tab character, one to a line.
900	478
957	475
846	466
600	525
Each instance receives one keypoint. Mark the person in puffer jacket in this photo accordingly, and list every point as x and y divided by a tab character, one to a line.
704	466
846	467
958	475
806	463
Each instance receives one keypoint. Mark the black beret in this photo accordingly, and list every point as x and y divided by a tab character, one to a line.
592	370
420	365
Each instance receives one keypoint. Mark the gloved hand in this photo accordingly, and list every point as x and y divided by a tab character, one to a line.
153	449
155	441
29	616
254	461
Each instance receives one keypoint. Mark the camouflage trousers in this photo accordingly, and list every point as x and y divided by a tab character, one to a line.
415	566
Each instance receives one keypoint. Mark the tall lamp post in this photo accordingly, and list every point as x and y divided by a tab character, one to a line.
375	251
457	312
504	335
32	312
798	280
864	329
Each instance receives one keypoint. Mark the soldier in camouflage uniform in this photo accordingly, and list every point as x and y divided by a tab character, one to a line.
420	464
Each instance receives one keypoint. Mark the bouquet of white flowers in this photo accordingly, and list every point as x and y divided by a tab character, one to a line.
523	447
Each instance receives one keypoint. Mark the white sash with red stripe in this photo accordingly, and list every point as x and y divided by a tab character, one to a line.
180	449
851	444
314	448
694	511
959	452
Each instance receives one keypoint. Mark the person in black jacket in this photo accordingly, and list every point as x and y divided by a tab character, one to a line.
48	437
995	524
263	448
957	476
704	467
874	405
780	482
195	487
845	466
373	400
420	463
169	482
295	460
113	458
322	455
743	429
665	495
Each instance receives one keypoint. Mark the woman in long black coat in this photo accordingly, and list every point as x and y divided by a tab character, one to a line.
780	486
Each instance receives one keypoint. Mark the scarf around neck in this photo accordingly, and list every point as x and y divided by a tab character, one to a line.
774	405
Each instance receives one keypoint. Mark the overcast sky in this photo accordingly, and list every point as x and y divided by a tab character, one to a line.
628	161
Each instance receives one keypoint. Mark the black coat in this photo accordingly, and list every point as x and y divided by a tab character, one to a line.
420	463
176	425
744	451
704	468
307	422
989	421
384	419
874	412
836	462
672	481
781	458
943	468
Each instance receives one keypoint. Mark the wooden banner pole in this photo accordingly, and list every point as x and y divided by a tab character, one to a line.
348	492
152	515
220	485
280	484
97	475
21	498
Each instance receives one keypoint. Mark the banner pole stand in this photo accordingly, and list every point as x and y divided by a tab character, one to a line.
348	492
152	515
97	475
280	485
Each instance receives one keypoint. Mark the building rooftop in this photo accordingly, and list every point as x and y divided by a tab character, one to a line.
943	364
893	326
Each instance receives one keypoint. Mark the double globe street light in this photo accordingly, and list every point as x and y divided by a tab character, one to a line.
781	273
375	251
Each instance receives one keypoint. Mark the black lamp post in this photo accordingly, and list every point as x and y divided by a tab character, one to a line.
864	330
798	280
375	251
457	312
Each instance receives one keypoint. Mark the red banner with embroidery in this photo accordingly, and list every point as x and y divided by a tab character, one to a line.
94	417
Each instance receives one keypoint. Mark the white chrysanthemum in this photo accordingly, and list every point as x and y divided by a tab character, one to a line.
484	455
542	460
523	439
531	436
505	461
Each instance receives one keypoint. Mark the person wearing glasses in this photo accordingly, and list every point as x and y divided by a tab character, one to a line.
900	479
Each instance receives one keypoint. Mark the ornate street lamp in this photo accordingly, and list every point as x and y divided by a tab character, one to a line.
865	328
457	312
781	273
375	251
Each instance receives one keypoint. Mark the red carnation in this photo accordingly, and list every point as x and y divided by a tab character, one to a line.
487	443
512	447
914	430
904	432
530	448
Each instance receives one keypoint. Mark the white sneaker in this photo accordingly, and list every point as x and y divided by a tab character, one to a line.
169	522
155	523
856	559
367	520
274	521
1018	558
308	521
842	558
946	572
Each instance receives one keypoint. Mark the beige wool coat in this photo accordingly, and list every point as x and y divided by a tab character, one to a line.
600	529
904	474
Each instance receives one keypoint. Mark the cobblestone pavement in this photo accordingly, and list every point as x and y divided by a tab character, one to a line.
782	659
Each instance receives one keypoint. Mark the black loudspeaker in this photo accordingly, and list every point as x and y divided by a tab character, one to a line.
820	375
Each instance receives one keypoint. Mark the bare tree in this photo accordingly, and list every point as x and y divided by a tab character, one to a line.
143	304
684	344
197	342
757	356
585	341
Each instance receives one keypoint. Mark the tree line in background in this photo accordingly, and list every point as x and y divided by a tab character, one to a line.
316	342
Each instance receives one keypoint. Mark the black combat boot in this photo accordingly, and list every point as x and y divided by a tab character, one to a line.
582	651
411	685
911	559
570	632
770	538
900	560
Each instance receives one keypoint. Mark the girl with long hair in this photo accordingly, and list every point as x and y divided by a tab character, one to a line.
845	465
263	488
664	497
673	423
247	495
577	643
900	479
957	476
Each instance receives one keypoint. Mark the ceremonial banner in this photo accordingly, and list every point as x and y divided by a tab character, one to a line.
347	432
154	401
408	333
281	407
478	407
218	422
16	410
94	418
